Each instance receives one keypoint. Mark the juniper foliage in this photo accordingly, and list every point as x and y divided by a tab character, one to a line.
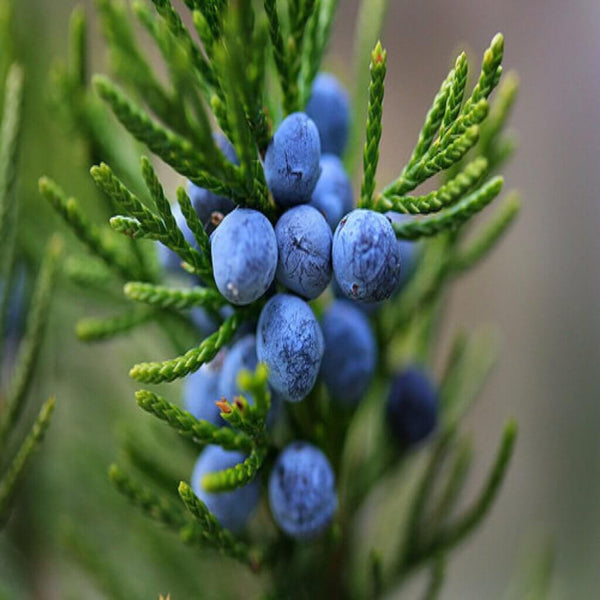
240	67
20	349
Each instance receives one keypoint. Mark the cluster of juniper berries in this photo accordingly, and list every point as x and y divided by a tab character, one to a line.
319	240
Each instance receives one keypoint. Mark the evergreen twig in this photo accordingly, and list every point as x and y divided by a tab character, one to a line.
14	472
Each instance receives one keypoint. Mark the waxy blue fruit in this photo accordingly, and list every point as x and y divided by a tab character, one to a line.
244	255
292	161
302	491
366	256
412	406
304	251
290	343
329	108
350	352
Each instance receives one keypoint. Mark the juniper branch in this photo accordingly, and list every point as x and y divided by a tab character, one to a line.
96	329
257	386
197	228
184	423
159	509
78	58
441	198
452	217
457	130
145	223
499	112
129	63
374	116
182	35
318	30
433	120
238	476
87	273
177	298
156	372
200	261
455	479
453	534
438	572
29	348
456	93
14	472
470	369
9	136
207	531
86	231
173	149
280	55
489	234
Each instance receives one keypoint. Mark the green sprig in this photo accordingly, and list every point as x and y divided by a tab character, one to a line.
456	128
445	196
169	370
29	348
97	329
14	472
456	532
208	532
159	509
237	476
489	234
177	298
87	232
9	136
173	149
374	116
145	223
185	424
453	217
128	60
250	418
197	228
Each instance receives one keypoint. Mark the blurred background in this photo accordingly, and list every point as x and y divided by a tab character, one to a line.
541	288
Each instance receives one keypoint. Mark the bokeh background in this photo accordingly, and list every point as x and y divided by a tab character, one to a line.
541	288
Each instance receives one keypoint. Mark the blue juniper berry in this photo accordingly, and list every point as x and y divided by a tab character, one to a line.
350	352
304	251
366	256
333	194
232	509
244	255
292	161
206	202
302	491
329	108
412	406
201	391
290	342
